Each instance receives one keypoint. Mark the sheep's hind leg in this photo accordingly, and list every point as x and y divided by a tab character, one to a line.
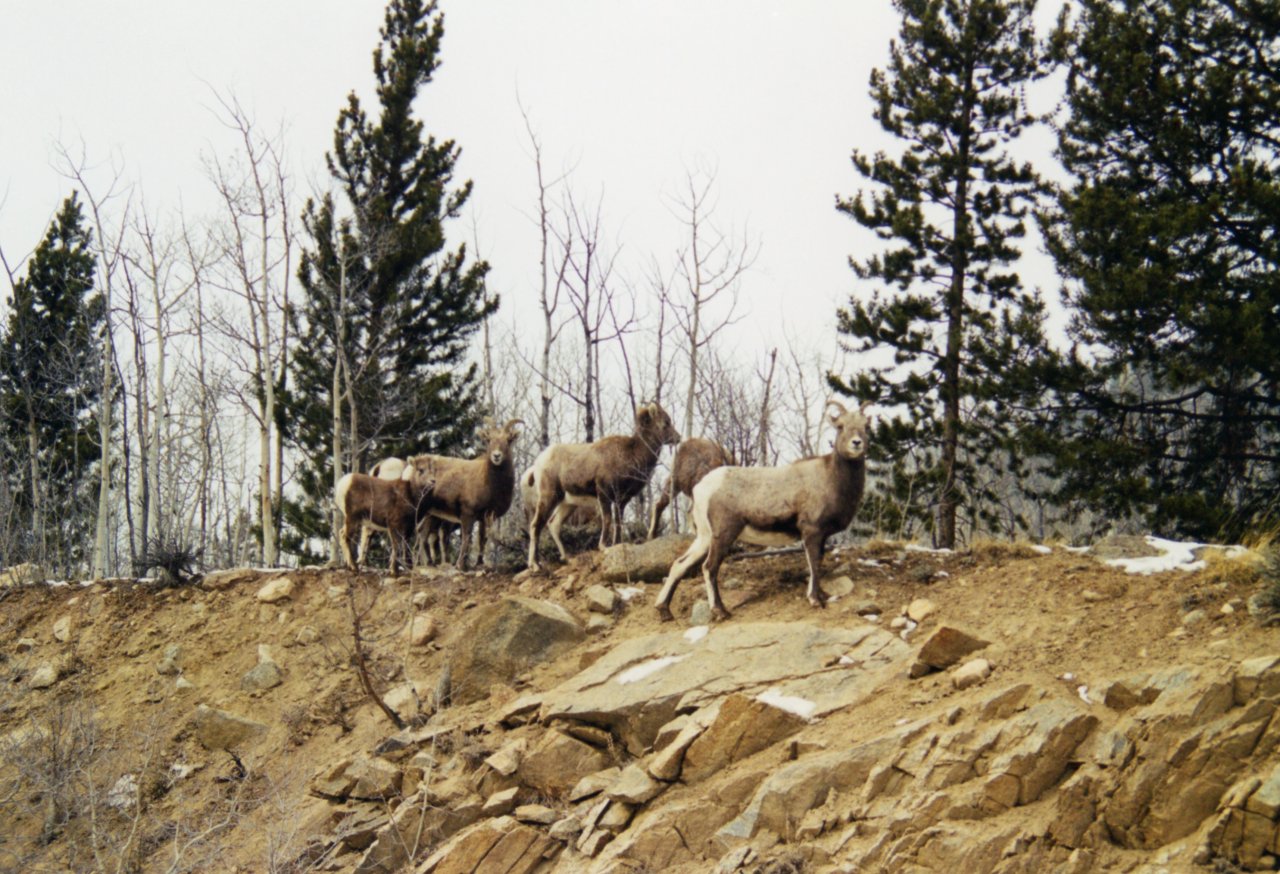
655	517
696	551
719	548
554	524
813	544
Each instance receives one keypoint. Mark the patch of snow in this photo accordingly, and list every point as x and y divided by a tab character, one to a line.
638	672
1068	676
869	562
1076	549
872	617
941	574
695	634
911	626
1083	692
801	707
1042	550
912	547
57	584
1173	556
845	660
626	593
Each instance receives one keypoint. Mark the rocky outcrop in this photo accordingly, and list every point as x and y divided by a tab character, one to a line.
505	639
645	562
642	684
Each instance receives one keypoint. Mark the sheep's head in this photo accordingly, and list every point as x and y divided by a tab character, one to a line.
851	430
653	423
498	440
420	471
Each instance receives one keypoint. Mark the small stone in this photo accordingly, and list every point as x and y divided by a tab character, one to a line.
898	623
1227	609
971	673
598	625
62	629
838	587
168	665
182	684
26	644
276	590
700	614
635	786
501	803
263	676
566	829
591	844
1194	617
423	629
867	608
307	635
421	600
43	677
601	599
921	609
1091	596
535	814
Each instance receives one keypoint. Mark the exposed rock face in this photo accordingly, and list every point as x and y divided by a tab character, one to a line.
497	846
276	590
642	562
505	639
640	685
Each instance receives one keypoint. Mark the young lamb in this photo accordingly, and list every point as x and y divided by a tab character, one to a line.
694	459
432	533
378	504
476	490
808	500
609	473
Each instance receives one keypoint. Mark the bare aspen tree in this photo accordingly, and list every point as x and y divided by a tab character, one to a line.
710	267
108	242
763	451
257	243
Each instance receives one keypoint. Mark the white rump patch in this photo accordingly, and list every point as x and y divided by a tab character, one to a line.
801	707
695	634
636	673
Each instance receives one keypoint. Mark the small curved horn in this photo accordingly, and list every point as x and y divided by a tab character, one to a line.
839	406
511	423
862	407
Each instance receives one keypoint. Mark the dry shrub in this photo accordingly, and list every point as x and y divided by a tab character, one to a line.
987	549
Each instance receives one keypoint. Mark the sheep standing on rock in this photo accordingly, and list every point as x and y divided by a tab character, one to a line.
375	504
608	473
695	457
808	500
475	490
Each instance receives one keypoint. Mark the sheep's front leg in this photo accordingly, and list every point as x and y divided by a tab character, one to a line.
813	545
465	521
346	545
606	521
362	551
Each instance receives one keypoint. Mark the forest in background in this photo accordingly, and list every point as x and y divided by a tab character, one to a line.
198	383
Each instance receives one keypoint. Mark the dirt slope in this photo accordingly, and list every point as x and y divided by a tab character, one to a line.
104	769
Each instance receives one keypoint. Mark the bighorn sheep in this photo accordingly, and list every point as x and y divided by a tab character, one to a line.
478	490
808	500
393	506
433	533
695	457
609	473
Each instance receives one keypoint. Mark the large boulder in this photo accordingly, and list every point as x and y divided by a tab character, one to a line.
220	730
494	846
640	685
504	640
642	562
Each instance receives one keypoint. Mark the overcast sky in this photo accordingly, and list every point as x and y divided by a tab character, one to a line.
625	94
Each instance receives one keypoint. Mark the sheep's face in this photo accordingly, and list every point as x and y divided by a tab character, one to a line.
851	431
420	471
653	422
498	442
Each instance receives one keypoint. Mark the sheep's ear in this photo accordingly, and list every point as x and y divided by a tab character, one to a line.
644	413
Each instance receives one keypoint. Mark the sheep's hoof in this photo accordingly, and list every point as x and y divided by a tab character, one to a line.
818	600
664	613
719	614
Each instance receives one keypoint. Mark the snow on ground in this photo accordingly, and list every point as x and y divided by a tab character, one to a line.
636	673
912	547
1173	556
1042	550
695	634
627	593
801	707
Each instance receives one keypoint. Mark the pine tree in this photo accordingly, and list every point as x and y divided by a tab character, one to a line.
1172	403
388	312
49	389
947	325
